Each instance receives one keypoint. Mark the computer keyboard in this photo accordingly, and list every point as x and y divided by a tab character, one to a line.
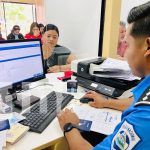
44	111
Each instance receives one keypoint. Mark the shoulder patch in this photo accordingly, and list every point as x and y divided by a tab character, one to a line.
126	138
144	99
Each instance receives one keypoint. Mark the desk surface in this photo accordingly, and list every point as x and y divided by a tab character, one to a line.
32	140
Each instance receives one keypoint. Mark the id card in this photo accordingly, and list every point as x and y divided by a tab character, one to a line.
85	125
4	125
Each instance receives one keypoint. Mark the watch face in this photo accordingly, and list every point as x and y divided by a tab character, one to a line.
67	127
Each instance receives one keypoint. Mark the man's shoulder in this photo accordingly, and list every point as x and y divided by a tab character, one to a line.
144	98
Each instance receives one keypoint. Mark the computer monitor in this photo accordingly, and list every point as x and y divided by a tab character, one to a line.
21	61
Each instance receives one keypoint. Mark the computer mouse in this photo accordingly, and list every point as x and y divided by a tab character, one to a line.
86	100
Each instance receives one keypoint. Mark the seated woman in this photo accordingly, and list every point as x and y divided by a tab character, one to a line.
34	32
1	37
121	49
56	58
15	34
41	28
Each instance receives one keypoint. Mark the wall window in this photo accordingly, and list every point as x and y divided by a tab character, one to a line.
16	14
2	21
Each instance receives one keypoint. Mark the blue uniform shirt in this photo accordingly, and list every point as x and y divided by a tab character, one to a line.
133	132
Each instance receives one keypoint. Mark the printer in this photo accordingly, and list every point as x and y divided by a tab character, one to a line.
107	86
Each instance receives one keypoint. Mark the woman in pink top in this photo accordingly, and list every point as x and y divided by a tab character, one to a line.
121	49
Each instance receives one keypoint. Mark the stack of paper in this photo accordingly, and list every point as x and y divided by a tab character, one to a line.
113	68
4	126
2	139
103	120
16	132
12	119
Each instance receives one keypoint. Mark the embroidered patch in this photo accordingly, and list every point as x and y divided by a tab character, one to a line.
145	98
126	138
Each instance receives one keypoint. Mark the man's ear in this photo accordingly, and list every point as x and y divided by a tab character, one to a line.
147	54
148	43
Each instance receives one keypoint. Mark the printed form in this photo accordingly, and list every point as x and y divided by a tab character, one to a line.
103	120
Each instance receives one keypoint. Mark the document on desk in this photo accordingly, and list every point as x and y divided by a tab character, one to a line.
12	117
113	68
103	120
2	139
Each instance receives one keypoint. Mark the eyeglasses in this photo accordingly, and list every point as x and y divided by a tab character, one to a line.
35	29
17	29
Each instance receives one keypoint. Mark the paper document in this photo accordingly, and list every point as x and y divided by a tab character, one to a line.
103	120
113	68
2	139
111	63
12	117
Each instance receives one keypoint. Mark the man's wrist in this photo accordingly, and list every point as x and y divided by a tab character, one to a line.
68	127
106	102
74	130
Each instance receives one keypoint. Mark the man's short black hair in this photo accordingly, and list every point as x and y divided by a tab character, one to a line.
140	17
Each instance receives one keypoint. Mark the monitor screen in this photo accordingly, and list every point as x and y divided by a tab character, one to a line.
20	61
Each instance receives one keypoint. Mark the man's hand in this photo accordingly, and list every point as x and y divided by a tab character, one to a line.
55	68
99	100
67	116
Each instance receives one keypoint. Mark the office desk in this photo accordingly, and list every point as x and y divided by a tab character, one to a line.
53	131
32	140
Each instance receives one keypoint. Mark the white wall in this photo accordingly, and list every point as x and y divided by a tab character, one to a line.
127	5
78	22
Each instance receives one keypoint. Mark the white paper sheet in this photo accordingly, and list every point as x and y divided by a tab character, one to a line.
103	120
2	139
113	68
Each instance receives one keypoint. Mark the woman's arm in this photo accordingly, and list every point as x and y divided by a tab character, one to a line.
70	58
67	67
63	68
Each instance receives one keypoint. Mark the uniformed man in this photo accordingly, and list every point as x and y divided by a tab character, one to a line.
133	132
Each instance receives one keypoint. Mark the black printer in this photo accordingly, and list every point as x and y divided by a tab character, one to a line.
108	86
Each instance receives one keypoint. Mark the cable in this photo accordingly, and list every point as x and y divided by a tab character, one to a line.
23	90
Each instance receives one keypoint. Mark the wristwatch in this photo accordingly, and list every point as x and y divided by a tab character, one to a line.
69	126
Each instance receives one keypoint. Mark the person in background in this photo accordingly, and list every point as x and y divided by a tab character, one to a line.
132	133
50	48
41	28
34	32
15	34
121	49
1	37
